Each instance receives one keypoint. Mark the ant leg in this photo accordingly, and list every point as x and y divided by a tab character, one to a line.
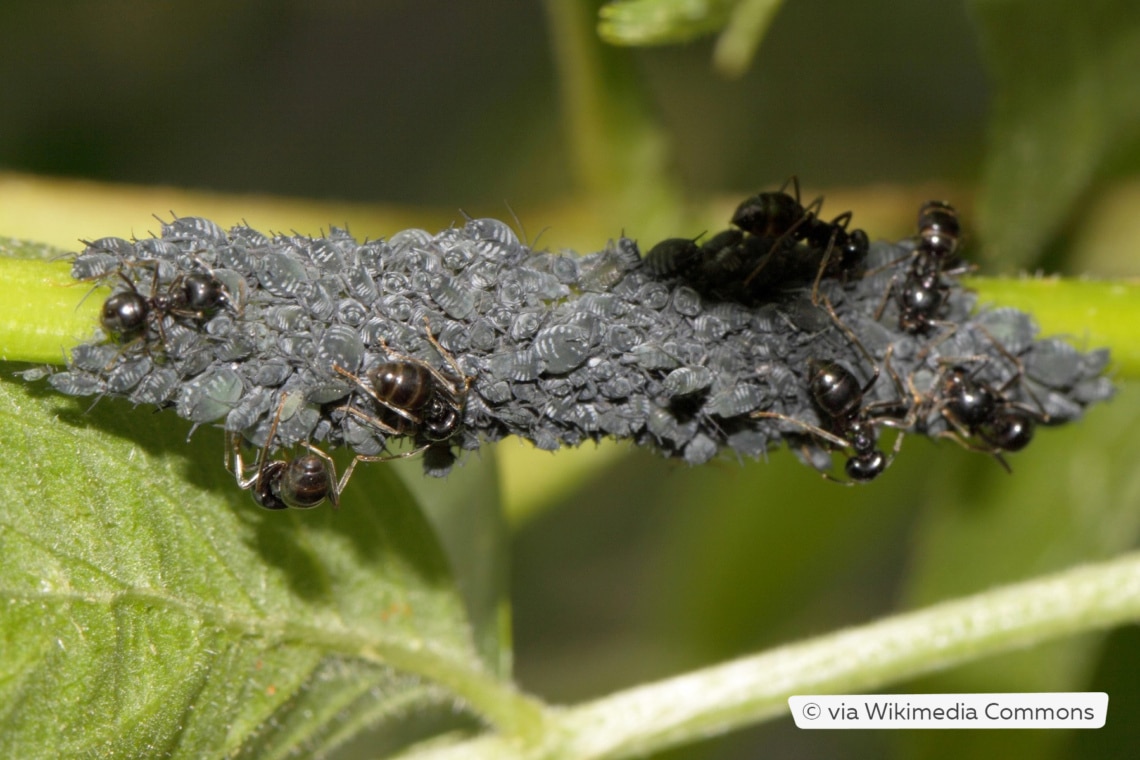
447	356
806	426
794	181
823	266
369	420
363	387
854	339
966	444
1018	375
886	297
846	216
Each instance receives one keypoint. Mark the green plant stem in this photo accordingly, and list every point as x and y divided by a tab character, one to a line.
1090	313
620	155
47	313
44	313
678	710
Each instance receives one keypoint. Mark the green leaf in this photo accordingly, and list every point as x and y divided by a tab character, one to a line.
661	22
150	608
1065	96
666	22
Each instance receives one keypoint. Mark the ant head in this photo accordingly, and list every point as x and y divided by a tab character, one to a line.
125	313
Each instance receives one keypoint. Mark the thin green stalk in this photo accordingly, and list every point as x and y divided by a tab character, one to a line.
620	154
747	691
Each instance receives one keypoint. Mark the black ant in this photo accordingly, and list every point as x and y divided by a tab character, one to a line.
976	409
302	482
848	423
781	216
921	296
127	313
419	399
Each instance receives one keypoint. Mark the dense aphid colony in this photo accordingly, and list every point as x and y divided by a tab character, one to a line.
786	329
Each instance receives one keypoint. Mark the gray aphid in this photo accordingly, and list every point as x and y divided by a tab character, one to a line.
158	387
126	375
210	395
456	301
515	365
281	275
196	231
94	265
562	347
736	400
687	380
700	449
654	356
339	346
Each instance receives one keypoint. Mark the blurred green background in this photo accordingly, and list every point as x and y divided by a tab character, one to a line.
627	567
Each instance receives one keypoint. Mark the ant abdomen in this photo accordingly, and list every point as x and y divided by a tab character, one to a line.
405	385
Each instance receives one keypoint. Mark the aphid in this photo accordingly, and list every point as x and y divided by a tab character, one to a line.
340	346
456	301
491	238
210	395
562	347
565	268
686	301
254	404
242	233
409	239
654	356
281	274
126	375
194	230
687	380
700	449
674	257
77	383
325	254
157	388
